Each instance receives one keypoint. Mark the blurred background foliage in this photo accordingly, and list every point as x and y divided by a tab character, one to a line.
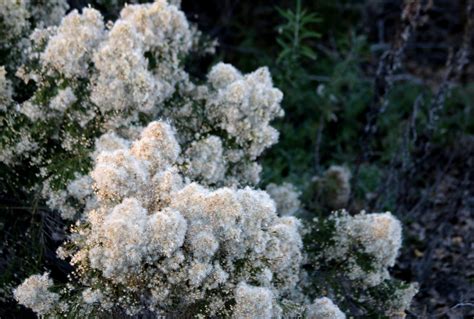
395	108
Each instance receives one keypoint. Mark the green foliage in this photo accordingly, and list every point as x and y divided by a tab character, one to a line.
328	95
296	32
324	113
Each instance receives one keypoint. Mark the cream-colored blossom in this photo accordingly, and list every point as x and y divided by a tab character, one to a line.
252	302
34	293
286	197
69	50
206	160
157	145
118	174
243	106
379	236
5	90
91	296
109	142
115	79
13	20
166	232
324	308
63	100
158	29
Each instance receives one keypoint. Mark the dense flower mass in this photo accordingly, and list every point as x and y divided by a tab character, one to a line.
216	245
244	106
17	19
373	238
324	308
14	18
206	160
143	34
92	79
253	302
34	293
286	197
69	50
5	90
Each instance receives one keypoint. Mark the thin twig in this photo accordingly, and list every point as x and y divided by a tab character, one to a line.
318	145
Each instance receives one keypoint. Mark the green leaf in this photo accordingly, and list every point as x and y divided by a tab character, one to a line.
308	52
306	34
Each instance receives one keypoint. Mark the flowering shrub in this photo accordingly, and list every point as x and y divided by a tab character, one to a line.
158	170
358	250
219	246
91	80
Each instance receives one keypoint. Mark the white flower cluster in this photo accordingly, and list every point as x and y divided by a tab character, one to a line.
5	90
114	74
401	300
13	21
70	49
324	308
244	105
35	294
172	243
64	99
140	60
234	126
94	79
17	19
286	197
367	244
253	302
206	160
46	13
